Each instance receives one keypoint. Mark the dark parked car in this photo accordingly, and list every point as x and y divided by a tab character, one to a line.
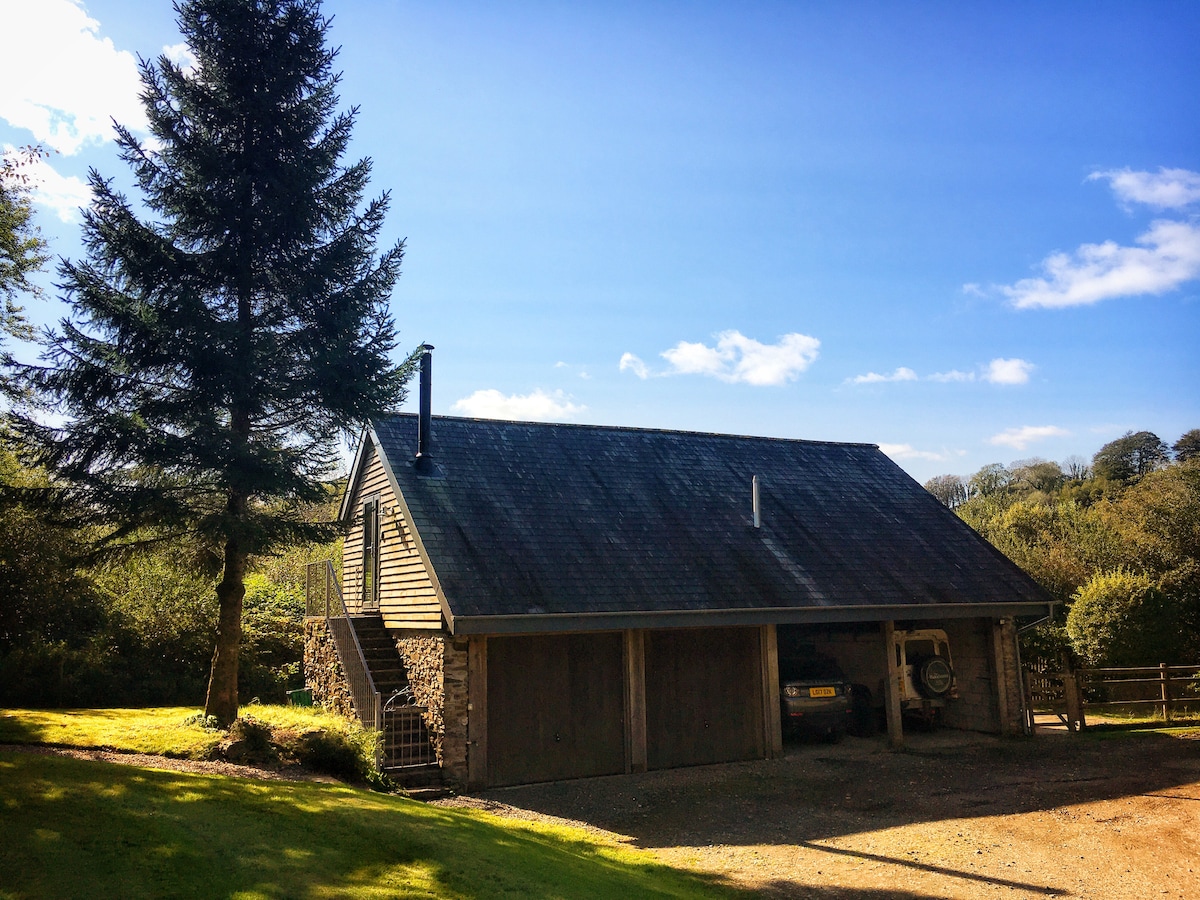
815	697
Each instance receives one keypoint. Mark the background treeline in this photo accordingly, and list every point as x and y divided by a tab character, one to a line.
137	629
1116	541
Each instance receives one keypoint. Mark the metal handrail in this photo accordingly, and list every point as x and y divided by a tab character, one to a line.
362	686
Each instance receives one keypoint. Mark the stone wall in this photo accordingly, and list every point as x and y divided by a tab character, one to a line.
455	711
436	665
323	672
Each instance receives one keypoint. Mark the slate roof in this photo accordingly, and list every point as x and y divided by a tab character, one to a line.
531	526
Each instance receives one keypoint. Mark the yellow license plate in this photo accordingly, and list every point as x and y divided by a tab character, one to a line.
822	692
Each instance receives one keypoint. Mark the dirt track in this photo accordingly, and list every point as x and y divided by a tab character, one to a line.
1103	817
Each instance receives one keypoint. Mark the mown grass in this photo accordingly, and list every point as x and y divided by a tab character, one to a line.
78	828
163	731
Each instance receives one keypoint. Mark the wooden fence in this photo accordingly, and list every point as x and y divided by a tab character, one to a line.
1070	694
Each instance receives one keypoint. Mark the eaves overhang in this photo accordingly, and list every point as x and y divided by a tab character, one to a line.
539	623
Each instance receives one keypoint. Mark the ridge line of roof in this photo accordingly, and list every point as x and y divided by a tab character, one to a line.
635	429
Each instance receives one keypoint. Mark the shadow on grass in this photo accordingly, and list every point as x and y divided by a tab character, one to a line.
75	828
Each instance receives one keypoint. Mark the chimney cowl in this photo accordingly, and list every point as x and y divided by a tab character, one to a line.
424	458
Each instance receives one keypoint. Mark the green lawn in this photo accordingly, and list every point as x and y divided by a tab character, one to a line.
160	731
78	828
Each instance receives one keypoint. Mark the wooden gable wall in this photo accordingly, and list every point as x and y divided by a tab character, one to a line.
407	598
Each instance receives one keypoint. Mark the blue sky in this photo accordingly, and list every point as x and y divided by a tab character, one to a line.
969	233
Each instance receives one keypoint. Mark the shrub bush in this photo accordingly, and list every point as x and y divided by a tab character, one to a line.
1123	619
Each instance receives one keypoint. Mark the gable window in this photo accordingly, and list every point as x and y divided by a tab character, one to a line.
370	553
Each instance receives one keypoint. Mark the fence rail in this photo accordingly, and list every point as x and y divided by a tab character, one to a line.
1072	693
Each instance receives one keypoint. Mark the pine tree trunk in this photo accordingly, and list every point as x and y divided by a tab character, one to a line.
222	699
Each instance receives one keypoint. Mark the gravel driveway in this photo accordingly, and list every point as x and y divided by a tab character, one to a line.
1098	816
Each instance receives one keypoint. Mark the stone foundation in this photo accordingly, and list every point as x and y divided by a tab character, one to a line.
437	671
323	673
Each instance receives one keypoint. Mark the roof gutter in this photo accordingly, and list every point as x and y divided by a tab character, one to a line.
816	615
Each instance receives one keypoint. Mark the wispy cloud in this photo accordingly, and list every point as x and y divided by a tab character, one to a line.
1020	438
908	451
952	376
901	374
735	358
538	406
1164	189
998	371
1161	259
631	363
63	82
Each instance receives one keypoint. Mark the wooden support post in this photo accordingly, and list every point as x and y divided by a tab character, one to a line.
1164	675
635	700
477	748
772	724
891	690
1001	670
1074	698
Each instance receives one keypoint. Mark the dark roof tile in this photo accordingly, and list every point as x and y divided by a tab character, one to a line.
526	518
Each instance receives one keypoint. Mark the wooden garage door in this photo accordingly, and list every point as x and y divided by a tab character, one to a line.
703	696
555	707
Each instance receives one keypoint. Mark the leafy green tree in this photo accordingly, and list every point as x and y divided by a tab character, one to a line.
1036	474
992	479
218	347
1130	456
22	250
1188	446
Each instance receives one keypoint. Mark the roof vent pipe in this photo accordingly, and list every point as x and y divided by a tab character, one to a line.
424	460
754	496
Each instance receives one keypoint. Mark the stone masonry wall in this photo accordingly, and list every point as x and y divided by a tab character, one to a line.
436	665
323	672
454	714
422	655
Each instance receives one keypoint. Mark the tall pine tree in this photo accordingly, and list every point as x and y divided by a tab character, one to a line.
219	343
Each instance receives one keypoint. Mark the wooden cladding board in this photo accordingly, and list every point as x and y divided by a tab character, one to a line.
407	598
555	707
704	699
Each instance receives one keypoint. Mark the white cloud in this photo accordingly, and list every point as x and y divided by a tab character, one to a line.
631	363
62	194
538	406
62	81
952	375
903	373
739	359
1164	189
1008	371
1020	438
1168	257
181	54
998	371
907	451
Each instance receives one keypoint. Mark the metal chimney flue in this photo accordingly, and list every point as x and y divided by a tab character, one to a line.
424	459
757	509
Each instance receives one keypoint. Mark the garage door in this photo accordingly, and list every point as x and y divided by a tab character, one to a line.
555	707
703	696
